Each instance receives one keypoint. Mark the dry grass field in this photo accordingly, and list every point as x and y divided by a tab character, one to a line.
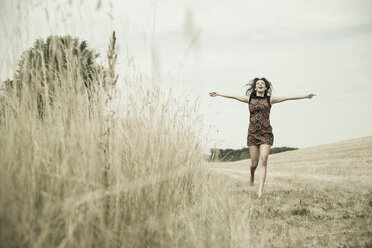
313	197
77	169
90	158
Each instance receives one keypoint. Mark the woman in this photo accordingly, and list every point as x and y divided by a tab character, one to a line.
260	136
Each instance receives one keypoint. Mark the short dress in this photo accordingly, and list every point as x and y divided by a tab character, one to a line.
259	130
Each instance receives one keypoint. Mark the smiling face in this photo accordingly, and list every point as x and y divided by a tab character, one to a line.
260	86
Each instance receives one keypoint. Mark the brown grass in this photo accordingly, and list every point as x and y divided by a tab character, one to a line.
128	172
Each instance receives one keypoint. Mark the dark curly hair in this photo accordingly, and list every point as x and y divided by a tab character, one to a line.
252	86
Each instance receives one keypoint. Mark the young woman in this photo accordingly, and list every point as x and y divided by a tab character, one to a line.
260	136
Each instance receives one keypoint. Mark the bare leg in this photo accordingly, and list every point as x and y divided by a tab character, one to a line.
264	154
254	152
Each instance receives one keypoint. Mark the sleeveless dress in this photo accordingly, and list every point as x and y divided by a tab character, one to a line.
259	130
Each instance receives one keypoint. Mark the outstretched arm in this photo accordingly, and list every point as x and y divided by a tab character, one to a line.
277	99
239	98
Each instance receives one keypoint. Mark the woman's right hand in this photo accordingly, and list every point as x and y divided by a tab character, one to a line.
213	94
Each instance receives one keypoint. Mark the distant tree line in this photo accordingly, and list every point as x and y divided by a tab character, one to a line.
224	155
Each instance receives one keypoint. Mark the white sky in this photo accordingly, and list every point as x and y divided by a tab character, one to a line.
320	46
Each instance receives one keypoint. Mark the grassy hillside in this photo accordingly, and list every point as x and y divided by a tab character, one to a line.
314	197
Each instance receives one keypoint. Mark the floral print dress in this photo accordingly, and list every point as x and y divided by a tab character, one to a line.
259	130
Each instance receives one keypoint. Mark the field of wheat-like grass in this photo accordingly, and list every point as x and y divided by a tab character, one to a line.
94	157
80	170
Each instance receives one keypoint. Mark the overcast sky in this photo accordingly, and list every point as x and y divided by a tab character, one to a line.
301	47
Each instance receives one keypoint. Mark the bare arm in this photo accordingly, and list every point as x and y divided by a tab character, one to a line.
239	98
277	99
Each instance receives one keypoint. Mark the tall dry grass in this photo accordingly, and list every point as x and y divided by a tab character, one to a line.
94	171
